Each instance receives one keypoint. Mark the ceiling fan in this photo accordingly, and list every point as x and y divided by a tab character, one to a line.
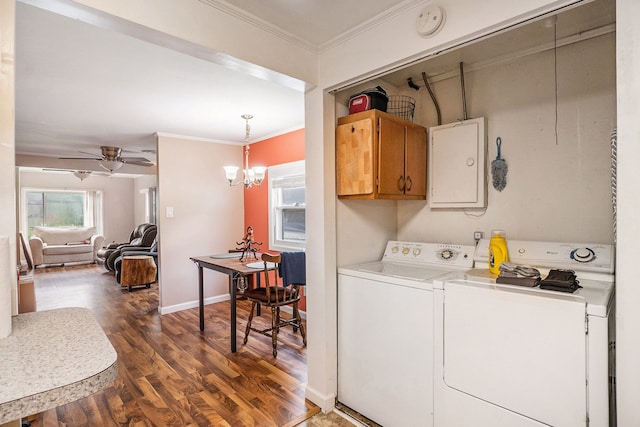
112	159
80	174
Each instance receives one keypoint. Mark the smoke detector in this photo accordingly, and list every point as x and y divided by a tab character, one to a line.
430	20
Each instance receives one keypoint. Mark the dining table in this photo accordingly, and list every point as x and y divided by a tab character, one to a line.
241	273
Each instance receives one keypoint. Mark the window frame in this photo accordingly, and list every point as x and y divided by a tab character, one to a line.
293	172
95	218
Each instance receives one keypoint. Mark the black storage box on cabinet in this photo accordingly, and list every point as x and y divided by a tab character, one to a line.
369	99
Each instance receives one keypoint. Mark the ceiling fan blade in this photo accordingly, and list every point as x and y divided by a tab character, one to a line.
89	154
138	163
135	159
79	158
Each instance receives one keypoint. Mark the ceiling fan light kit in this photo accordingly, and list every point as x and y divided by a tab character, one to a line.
252	176
82	175
111	165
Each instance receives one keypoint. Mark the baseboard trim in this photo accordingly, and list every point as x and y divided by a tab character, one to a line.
326	402
192	304
212	300
289	309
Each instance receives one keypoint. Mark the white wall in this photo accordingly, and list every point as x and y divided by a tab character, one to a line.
627	289
208	217
141	185
363	229
517	99
118	201
7	143
205	29
555	191
321	293
395	41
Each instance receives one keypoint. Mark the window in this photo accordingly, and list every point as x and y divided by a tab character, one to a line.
150	204
287	206
61	208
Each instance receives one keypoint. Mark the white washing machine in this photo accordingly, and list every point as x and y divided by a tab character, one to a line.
385	331
516	356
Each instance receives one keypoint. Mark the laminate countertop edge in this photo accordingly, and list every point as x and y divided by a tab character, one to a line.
52	358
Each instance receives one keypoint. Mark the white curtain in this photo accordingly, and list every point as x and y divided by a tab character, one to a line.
93	210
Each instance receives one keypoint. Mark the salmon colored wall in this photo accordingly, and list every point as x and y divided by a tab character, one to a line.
273	151
281	149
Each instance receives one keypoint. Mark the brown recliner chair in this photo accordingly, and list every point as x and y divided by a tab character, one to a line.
141	236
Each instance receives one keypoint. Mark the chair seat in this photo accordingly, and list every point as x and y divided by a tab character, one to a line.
260	294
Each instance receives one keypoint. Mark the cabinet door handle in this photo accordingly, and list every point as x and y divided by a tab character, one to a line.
410	183
401	183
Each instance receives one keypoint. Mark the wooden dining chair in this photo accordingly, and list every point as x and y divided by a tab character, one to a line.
275	294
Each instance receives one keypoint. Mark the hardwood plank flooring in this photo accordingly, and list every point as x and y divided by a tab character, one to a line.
170	374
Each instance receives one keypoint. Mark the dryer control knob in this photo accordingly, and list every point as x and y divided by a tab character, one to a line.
583	254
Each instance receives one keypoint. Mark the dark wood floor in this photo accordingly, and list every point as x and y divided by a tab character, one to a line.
170	374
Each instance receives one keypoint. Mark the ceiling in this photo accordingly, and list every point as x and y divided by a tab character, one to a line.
315	22
79	87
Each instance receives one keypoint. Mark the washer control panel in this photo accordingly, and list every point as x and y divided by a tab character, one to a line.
429	253
593	257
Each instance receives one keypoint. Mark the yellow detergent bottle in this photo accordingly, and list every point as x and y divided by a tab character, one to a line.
498	252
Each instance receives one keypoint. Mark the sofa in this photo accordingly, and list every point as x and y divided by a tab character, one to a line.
62	245
141	236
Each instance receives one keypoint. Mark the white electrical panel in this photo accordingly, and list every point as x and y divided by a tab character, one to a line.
457	165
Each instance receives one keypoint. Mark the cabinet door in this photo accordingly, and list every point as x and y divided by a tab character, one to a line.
391	158
416	161
457	165
355	158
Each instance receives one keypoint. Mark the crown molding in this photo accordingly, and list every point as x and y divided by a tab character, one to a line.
260	23
369	24
268	27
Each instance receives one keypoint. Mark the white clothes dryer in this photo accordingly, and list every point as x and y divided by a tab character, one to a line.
516	356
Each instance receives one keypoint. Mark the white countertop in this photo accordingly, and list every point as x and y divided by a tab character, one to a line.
52	358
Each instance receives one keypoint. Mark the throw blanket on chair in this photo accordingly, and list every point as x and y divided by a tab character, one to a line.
292	268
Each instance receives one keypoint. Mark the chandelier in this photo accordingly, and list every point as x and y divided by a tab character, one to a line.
252	176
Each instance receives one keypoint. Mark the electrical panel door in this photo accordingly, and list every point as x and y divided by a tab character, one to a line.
457	165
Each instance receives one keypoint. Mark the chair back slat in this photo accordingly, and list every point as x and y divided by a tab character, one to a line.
276	290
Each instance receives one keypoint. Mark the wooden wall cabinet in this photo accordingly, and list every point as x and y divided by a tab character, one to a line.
380	156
